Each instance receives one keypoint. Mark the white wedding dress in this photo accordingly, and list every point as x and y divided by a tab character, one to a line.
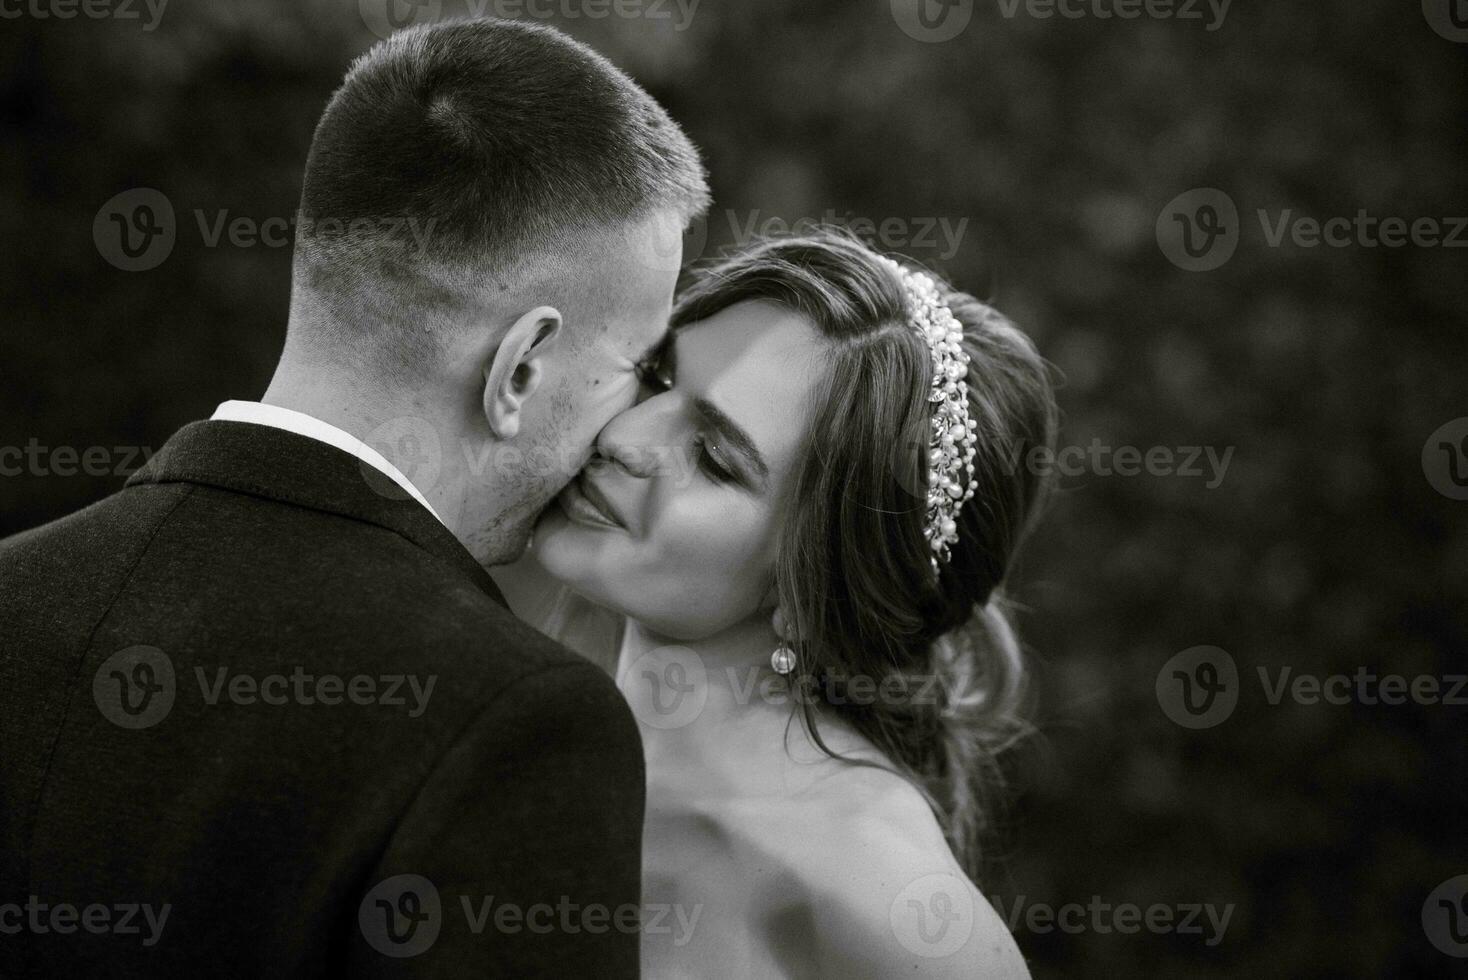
762	855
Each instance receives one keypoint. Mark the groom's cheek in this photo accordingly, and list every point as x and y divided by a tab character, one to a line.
612	392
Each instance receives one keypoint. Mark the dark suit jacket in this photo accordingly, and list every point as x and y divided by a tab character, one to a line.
207	712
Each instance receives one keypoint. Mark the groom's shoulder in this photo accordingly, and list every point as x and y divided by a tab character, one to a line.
207	566
388	599
433	616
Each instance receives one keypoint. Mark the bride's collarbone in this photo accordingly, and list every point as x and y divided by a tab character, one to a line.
801	811
772	783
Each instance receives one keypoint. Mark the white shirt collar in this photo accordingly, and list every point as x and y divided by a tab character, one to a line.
311	427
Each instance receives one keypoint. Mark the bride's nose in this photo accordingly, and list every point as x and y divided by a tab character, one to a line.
636	440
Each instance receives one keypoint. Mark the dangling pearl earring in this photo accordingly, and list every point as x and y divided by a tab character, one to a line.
782	661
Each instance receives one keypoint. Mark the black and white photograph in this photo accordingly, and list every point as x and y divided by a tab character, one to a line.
853	489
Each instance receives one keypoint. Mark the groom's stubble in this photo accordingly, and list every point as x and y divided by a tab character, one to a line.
530	479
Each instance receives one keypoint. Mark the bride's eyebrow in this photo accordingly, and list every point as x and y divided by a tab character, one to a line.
733	434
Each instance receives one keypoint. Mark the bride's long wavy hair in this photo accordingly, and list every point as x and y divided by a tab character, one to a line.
854	575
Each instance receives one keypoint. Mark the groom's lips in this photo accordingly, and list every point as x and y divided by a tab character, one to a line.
584	502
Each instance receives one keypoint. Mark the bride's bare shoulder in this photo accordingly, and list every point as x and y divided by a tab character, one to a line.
883	894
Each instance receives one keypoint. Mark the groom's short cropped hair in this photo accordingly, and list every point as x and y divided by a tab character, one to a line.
471	145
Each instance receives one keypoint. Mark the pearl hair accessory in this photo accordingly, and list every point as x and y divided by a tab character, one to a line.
952	433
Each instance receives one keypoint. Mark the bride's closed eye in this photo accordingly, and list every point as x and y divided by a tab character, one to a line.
655	373
710	458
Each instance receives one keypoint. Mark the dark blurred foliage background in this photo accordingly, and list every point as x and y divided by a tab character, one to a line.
1054	144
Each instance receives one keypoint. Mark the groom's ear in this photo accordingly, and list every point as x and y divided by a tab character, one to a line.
518	367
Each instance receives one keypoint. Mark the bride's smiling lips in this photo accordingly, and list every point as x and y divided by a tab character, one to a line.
585	504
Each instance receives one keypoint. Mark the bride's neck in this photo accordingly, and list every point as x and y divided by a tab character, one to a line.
732	666
738	646
714	709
